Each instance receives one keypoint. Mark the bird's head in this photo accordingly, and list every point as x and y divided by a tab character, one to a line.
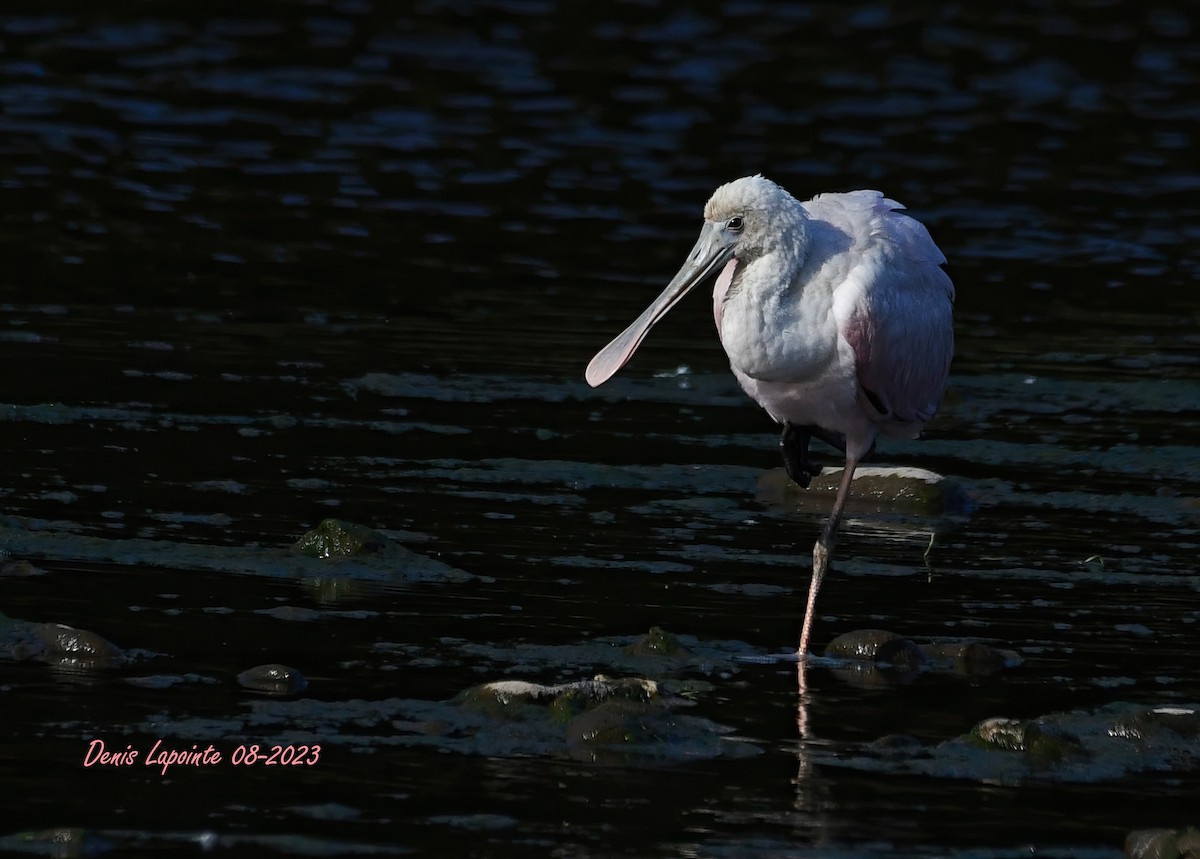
751	217
743	220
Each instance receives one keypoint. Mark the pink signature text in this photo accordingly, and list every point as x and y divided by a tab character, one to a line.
164	757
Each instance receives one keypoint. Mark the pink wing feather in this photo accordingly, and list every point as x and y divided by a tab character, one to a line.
894	307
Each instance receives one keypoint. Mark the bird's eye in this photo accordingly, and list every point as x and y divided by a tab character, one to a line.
734	224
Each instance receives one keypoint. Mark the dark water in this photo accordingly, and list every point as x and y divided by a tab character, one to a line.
267	263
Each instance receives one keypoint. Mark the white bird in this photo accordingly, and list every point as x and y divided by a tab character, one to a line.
837	318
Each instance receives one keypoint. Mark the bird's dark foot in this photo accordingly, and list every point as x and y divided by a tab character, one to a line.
793	444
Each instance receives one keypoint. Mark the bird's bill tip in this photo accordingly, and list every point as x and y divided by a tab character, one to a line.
598	371
616	354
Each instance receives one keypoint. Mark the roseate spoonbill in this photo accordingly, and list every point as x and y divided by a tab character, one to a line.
837	318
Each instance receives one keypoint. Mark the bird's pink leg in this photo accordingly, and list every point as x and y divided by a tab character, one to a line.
823	551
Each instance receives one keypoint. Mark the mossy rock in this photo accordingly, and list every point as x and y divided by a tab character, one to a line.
656	642
337	538
999	733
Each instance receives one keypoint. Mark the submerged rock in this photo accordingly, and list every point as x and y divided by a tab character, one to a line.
19	569
581	697
1051	744
969	658
293	613
1077	746
273	679
601	718
331	590
62	843
623	723
878	657
337	538
1163	844
345	548
508	698
876	645
67	641
380	558
1150	724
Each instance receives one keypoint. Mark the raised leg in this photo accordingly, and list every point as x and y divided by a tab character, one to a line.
823	551
793	444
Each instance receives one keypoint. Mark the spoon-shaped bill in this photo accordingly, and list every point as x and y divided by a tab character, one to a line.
710	254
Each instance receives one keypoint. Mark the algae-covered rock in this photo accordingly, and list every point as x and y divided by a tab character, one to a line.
879	489
273	679
337	538
1163	844
1043	743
